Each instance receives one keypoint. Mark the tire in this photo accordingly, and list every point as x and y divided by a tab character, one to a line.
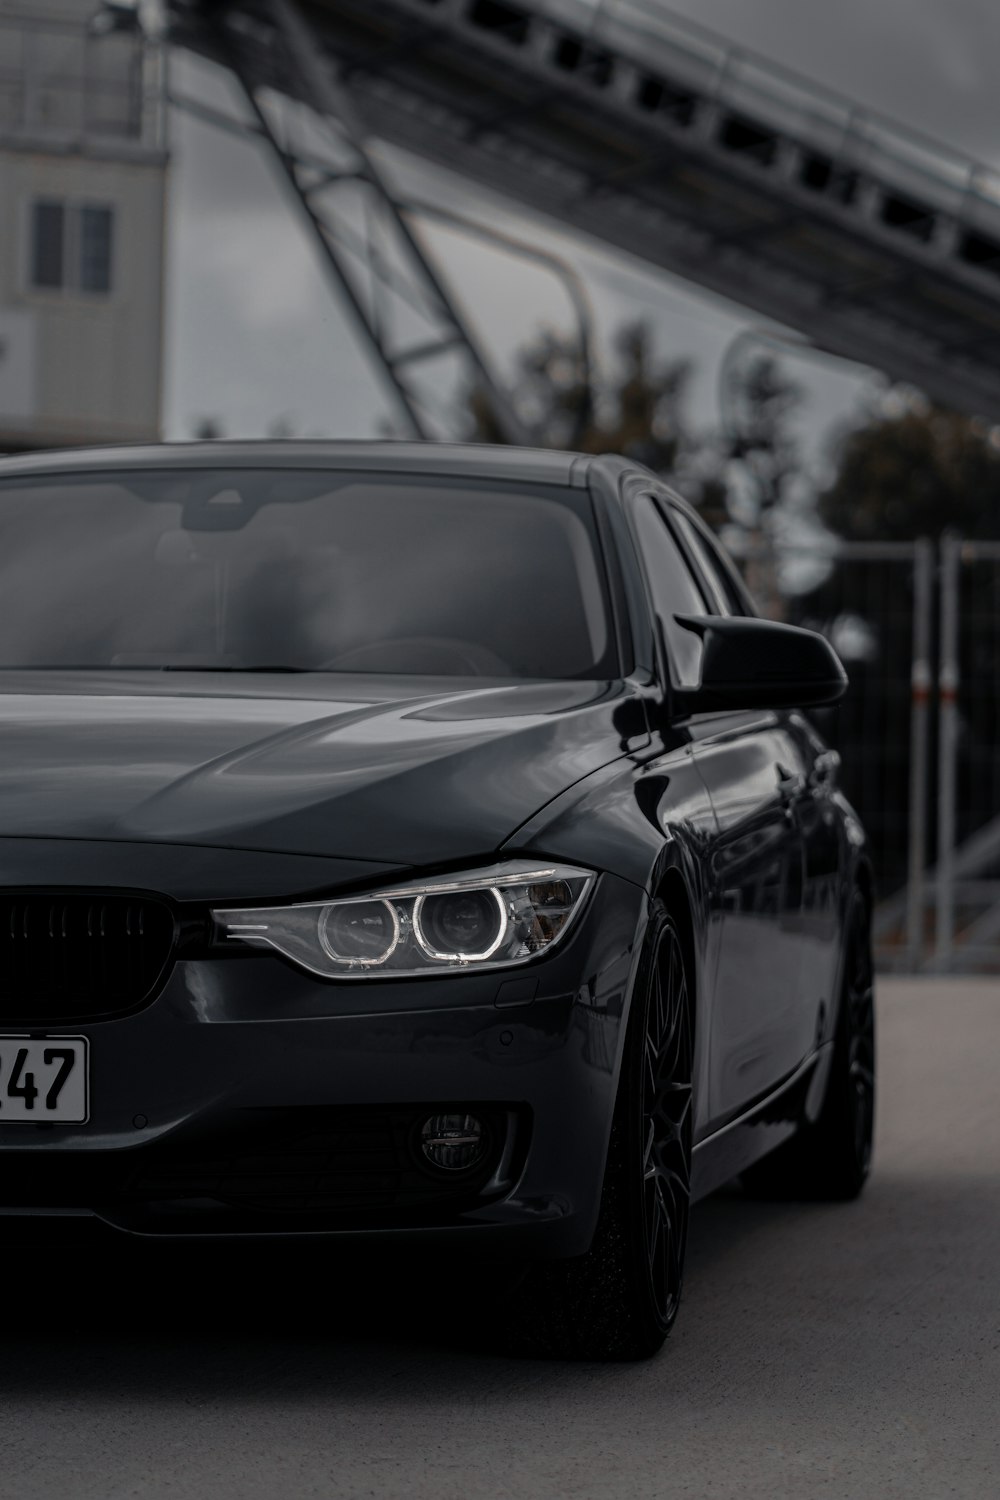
831	1158
620	1300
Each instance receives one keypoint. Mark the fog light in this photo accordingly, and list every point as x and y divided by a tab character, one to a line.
453	1142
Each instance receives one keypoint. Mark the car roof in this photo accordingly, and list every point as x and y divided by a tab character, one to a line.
458	460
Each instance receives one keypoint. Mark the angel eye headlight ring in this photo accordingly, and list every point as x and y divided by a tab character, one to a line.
439	917
368	929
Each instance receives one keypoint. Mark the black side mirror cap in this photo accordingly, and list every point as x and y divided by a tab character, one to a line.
750	663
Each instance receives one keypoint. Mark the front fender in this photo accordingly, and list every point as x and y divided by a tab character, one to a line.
649	823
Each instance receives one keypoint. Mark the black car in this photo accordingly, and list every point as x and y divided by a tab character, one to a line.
422	843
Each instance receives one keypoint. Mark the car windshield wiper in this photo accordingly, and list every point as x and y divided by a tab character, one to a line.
215	667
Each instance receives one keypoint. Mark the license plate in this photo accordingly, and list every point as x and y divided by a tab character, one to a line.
43	1080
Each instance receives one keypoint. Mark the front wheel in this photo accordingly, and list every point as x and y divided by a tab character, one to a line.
831	1158
619	1301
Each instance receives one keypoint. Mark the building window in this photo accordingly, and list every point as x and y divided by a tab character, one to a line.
71	246
95	248
48	238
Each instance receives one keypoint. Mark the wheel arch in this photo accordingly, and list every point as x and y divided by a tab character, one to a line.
680	895
672	890
863	878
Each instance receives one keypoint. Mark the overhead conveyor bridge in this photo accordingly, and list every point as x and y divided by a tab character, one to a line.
652	135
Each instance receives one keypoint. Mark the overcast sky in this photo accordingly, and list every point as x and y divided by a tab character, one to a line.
255	335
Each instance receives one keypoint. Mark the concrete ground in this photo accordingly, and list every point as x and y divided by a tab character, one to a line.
821	1350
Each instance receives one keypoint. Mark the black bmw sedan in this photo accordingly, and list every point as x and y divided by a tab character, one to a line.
419	843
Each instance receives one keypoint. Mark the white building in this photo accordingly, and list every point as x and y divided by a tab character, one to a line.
82	180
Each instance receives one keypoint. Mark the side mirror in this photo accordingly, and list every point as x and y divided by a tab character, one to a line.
748	663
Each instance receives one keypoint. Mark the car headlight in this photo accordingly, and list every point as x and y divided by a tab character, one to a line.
486	919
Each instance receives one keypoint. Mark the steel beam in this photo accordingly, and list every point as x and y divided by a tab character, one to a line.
948	683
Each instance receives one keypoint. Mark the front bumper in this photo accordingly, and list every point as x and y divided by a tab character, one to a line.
251	1098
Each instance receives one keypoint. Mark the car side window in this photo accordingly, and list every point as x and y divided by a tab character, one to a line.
673	588
727	593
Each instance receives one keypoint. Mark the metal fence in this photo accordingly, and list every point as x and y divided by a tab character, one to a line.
918	627
967	877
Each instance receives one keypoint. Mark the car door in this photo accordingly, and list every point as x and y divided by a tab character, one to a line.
669	778
821	825
813	800
756	770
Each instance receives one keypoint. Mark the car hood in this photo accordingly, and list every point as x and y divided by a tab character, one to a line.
400	771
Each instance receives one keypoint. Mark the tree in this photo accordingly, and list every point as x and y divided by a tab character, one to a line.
761	402
638	410
913	472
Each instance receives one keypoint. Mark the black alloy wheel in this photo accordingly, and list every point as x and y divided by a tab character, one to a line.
831	1158
619	1301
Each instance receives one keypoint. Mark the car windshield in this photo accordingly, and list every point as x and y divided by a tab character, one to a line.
268	569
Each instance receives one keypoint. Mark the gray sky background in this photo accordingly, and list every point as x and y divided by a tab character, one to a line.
255	335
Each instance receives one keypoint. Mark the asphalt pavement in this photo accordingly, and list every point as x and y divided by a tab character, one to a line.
848	1351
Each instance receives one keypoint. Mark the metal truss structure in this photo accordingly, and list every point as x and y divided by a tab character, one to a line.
404	311
649	134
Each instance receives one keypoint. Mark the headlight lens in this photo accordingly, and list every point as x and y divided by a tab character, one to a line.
460	926
488	918
362	932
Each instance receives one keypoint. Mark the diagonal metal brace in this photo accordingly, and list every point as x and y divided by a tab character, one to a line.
391	260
